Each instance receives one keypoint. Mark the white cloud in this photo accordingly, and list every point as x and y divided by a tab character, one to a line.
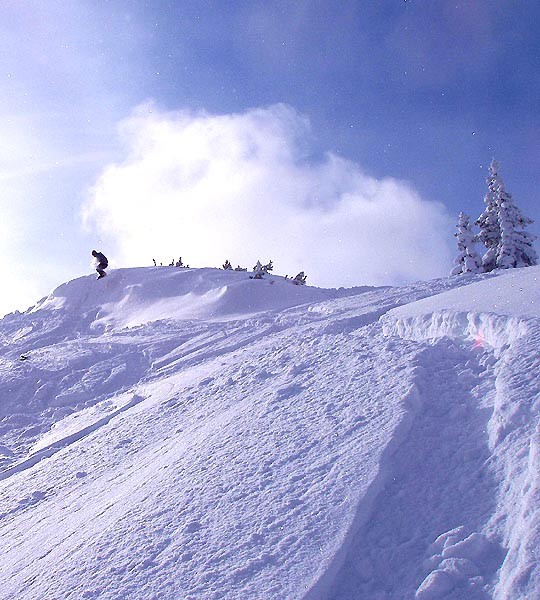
241	186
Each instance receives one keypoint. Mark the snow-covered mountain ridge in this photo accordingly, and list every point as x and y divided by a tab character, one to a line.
193	433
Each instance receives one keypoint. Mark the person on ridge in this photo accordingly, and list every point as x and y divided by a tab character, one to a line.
102	261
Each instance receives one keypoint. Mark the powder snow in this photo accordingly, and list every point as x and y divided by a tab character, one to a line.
195	434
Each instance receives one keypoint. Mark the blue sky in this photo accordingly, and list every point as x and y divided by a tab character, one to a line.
357	102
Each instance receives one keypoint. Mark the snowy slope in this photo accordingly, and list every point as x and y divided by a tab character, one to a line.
503	313
193	433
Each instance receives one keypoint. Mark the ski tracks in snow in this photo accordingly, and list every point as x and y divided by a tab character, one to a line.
67	440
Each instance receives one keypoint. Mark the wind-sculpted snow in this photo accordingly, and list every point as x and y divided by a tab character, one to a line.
504	314
195	434
132	297
495	311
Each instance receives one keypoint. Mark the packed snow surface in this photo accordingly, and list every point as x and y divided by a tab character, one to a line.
191	434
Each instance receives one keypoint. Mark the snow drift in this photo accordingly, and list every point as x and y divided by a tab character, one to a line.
193	433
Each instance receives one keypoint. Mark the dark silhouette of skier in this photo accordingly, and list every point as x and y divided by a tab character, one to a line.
103	263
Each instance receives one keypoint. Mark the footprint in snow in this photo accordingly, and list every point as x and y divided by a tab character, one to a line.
263	374
289	391
33	499
122	443
192	527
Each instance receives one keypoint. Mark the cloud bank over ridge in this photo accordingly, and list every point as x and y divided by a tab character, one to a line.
243	187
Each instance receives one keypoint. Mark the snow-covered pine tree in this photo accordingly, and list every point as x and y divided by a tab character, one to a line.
227	265
502	228
488	221
468	260
300	279
268	267
258	271
516	246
